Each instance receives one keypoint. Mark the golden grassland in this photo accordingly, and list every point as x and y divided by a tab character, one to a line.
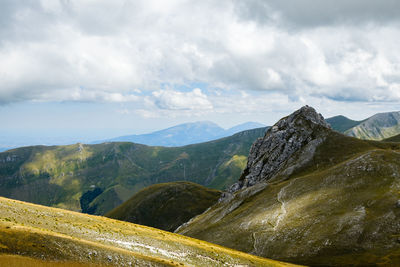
20	261
52	235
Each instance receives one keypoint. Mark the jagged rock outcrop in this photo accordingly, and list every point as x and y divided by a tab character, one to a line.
304	129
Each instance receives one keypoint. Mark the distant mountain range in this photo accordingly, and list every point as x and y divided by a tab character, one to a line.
97	178
377	127
184	134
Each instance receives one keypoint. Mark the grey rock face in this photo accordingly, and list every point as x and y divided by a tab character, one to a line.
293	139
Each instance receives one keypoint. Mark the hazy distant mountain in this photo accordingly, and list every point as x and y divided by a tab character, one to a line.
377	127
184	134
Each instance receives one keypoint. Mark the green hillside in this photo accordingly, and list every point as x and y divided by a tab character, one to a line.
335	205
101	177
167	205
32	234
395	138
341	123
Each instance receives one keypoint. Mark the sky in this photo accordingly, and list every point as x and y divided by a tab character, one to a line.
85	69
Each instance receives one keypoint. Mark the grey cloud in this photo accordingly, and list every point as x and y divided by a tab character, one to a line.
314	13
8	17
99	17
114	47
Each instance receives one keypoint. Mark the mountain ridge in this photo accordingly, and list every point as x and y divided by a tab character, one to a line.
332	202
341	123
377	127
61	175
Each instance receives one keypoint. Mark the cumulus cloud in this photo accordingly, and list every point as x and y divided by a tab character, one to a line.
175	100
126	51
87	95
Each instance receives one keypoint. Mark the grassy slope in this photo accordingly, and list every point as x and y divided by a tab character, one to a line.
395	138
373	133
377	127
51	234
21	261
167	205
59	175
341	123
342	209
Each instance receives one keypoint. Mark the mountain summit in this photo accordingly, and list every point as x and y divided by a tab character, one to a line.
305	128
310	195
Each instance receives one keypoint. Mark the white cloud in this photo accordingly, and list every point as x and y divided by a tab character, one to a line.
86	95
175	100
116	50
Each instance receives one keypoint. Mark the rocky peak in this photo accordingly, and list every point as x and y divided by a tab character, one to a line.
286	146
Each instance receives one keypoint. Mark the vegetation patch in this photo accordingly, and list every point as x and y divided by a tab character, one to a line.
166	206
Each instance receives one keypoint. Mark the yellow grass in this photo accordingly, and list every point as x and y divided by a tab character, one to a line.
79	234
20	261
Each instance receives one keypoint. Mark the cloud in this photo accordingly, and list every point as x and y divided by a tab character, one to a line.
125	51
87	95
314	13
175	100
